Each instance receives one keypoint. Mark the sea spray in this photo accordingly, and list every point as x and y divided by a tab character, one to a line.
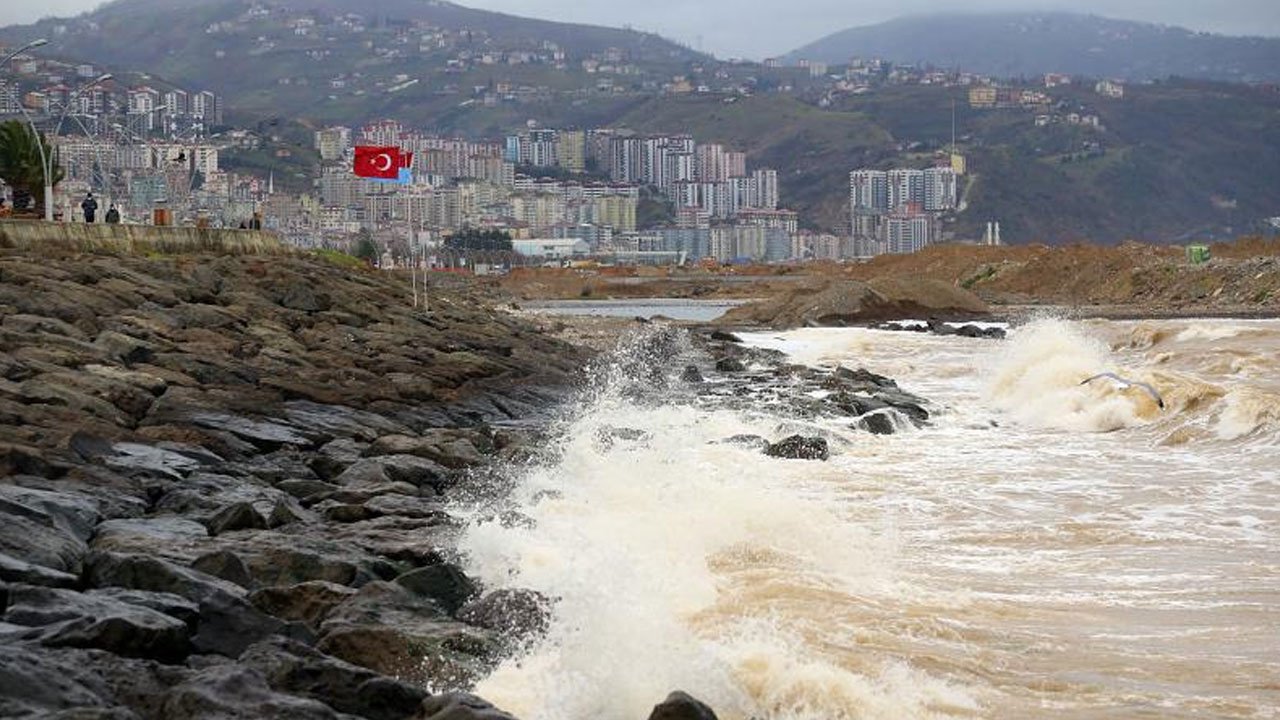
655	546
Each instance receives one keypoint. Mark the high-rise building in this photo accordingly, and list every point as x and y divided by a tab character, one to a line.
332	143
907	232
906	185
571	150
939	189
869	191
766	189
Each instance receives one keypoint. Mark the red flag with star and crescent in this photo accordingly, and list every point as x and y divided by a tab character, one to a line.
382	163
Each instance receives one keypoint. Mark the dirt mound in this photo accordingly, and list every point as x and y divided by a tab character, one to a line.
851	302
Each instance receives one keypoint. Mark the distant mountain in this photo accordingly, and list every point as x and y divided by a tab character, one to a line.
1028	44
293	56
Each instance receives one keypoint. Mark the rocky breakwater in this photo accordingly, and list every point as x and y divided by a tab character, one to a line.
842	302
223	487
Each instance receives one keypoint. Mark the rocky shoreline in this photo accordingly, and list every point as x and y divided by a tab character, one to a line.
224	487
226	481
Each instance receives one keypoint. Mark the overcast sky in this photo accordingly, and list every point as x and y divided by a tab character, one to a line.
756	29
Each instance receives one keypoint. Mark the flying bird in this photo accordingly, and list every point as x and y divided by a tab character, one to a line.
1129	383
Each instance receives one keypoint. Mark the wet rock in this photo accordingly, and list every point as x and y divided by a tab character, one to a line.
681	706
154	533
691	374
45	682
730	365
725	336
126	349
514	614
13	570
458	706
45	528
231	691
446	584
73	619
264	434
225	565
240	516
148	458
305	490
336	456
228	623
751	442
397	633
308	602
296	669
450	447
798	447
862	375
877	423
416	471
287	512
167	603
608	436
345	513
407	506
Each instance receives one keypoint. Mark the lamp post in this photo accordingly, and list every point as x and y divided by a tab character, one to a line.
48	158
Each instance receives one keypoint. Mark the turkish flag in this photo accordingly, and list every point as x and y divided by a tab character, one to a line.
383	163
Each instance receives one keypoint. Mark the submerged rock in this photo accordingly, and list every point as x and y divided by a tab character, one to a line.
798	447
682	706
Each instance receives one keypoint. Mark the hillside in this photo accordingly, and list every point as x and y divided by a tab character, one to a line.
342	57
1025	44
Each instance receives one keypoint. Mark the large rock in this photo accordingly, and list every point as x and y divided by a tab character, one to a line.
308	602
72	619
240	516
228	623
19	571
459	706
798	447
71	683
296	669
445	583
232	692
45	528
451	447
681	706
411	469
390	630
513	614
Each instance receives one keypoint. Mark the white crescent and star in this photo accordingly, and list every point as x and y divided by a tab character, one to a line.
383	156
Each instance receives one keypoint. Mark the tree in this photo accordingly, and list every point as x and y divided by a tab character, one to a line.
365	249
21	166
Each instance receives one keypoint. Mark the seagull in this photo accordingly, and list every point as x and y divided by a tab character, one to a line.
1129	383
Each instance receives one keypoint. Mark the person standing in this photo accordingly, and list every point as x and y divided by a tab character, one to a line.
113	215
90	207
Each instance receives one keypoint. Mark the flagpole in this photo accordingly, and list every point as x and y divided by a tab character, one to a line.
413	270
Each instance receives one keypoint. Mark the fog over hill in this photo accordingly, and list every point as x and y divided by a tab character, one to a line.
1028	44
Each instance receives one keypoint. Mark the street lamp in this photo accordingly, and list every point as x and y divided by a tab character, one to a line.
48	159
29	46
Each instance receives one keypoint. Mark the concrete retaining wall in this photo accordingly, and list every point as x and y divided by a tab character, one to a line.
34	235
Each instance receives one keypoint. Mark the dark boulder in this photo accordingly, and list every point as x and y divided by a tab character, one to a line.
446	584
681	706
692	374
730	365
73	619
18	571
308	602
877	423
233	692
239	516
798	447
459	706
296	669
226	565
228	623
724	336
513	614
